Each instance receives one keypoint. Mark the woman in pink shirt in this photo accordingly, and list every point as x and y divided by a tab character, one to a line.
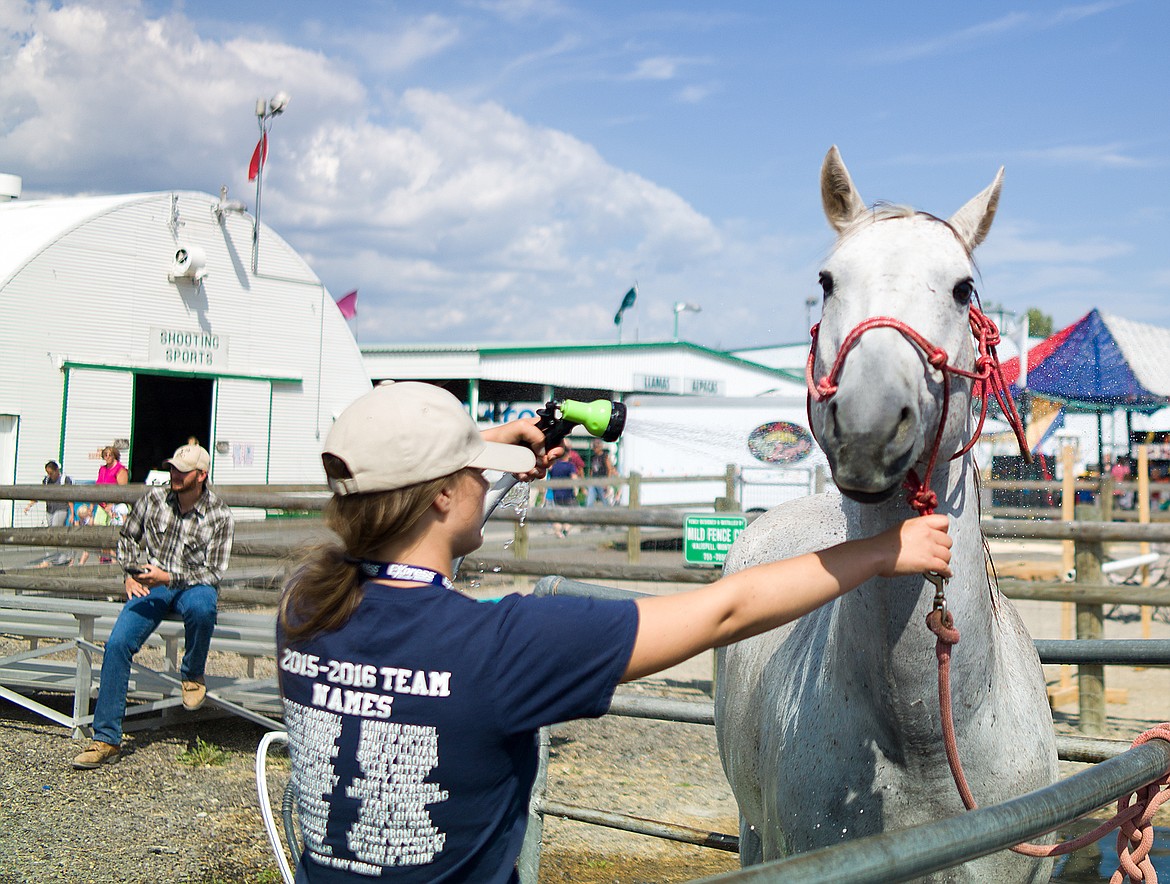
112	472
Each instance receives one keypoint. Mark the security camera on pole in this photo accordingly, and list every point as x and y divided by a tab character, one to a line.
265	113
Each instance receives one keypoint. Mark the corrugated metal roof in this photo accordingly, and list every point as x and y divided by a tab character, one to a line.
28	227
567	349
1147	350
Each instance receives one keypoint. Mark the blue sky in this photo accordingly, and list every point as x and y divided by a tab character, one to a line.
505	171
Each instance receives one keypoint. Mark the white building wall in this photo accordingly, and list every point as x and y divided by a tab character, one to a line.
97	412
97	296
666	370
421	365
241	429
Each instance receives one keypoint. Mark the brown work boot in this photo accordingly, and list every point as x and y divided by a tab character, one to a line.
96	755
194	692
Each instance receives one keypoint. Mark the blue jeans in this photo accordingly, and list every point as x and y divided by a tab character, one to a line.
596	495
139	618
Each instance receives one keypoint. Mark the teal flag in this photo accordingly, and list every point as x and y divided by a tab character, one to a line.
627	303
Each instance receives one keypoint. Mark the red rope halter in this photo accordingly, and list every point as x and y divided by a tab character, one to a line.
987	377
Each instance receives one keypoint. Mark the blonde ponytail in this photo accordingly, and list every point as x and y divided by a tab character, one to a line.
326	586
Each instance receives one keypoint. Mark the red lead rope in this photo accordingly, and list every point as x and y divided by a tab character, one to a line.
1136	835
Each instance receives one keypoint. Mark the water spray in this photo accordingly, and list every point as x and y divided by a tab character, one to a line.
601	418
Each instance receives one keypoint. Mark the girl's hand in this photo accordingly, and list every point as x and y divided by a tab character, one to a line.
918	545
524	432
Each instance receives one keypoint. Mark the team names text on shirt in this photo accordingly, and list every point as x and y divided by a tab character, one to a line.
337	694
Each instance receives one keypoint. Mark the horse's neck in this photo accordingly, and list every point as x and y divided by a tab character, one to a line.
888	612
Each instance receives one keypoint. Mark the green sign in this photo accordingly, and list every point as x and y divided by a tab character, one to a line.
707	537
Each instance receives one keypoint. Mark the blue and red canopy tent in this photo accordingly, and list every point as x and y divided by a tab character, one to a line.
1100	363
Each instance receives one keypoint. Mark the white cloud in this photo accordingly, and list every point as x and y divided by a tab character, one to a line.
659	68
98	98
1090	155
400	48
976	37
696	93
1012	246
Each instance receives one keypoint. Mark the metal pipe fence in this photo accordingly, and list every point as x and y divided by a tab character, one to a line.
910	853
894	856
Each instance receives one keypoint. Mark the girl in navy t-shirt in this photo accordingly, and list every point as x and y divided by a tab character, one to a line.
412	710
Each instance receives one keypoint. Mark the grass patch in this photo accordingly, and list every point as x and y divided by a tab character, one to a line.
203	754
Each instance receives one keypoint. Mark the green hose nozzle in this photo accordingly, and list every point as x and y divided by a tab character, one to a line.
601	418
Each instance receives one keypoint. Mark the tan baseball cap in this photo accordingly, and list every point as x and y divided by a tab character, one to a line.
403	433
191	457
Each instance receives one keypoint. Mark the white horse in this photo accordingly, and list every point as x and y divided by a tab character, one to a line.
829	728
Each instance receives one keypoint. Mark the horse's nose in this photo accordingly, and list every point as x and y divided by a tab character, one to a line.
871	445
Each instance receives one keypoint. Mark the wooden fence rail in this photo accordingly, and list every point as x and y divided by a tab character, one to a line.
1087	535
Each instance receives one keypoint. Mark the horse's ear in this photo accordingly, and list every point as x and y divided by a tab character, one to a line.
840	198
974	220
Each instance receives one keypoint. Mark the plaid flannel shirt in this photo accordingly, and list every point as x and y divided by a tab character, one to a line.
194	547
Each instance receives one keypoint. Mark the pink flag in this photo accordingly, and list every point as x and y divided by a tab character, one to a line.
259	157
347	304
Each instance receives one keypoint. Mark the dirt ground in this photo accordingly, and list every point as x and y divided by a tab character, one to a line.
157	817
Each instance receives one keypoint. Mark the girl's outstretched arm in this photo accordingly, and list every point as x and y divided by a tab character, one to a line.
676	627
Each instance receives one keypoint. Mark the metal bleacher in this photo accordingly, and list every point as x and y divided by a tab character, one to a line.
63	656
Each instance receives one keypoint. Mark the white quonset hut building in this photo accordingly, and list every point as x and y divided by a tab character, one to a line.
138	320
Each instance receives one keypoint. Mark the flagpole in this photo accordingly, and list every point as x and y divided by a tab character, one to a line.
265	113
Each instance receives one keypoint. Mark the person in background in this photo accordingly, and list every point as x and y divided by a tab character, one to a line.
56	511
564	468
575	460
601	467
83	514
413	710
174	548
112	472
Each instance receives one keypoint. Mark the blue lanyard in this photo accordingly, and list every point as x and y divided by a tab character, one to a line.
399	571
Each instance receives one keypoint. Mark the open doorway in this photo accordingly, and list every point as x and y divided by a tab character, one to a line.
167	411
9	427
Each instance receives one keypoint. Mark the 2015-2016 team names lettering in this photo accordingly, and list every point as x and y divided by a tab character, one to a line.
343	675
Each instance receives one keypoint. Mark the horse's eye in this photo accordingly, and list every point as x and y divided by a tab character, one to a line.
826	281
963	291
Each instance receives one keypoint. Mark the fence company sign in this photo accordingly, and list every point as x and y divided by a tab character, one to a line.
707	538
179	348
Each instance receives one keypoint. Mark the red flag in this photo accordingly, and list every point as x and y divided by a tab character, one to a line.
259	157
347	304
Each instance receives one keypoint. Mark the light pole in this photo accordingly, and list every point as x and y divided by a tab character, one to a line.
265	114
683	307
810	304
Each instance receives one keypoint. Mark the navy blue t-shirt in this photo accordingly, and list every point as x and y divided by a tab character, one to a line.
412	729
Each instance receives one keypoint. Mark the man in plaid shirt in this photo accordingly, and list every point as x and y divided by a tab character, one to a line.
174	548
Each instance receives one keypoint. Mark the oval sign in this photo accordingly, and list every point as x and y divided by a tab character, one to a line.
780	442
